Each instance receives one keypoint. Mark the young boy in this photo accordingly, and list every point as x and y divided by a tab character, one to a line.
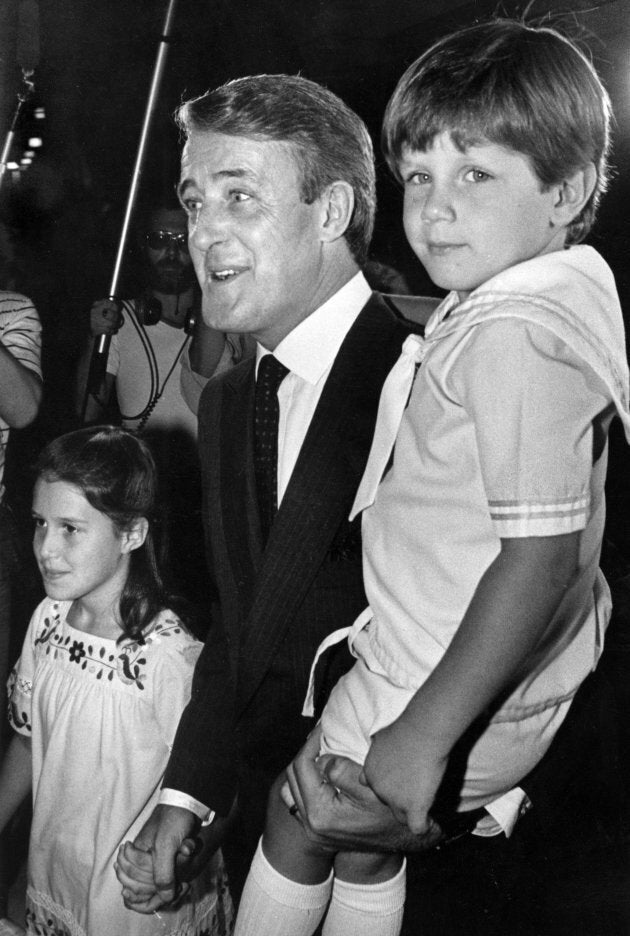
482	542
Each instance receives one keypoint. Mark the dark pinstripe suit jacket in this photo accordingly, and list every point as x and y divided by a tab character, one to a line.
243	724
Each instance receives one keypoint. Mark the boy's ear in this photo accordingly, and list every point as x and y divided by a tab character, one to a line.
337	206
135	536
573	194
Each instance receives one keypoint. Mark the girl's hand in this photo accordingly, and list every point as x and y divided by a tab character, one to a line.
134	869
404	774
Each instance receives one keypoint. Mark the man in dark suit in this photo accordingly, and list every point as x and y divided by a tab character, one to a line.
278	182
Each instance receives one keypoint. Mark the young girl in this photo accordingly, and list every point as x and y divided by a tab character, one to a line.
481	542
96	695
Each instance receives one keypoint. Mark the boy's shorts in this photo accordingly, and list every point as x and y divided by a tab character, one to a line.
364	701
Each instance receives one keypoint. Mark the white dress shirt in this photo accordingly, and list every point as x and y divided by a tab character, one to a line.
309	352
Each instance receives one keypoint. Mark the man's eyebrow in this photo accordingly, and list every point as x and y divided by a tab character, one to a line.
222	174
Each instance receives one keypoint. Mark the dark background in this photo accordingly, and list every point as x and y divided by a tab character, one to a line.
93	79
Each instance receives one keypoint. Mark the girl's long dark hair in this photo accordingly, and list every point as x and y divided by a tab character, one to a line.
115	472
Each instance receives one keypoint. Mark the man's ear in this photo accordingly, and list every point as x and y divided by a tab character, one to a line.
573	194
337	205
135	535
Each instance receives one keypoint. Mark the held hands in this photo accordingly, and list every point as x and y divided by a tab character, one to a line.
164	853
105	317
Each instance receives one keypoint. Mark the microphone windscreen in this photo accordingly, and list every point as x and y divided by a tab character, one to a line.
27	50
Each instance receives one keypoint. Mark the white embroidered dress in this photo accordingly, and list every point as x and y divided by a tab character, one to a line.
102	717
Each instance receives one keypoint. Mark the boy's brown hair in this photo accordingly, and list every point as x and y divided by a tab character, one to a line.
527	88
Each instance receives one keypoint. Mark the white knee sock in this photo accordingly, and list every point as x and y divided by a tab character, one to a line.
367	909
272	905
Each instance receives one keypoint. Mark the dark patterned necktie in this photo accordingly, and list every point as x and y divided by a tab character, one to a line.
271	373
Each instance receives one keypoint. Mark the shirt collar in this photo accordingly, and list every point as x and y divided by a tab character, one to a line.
311	347
446	306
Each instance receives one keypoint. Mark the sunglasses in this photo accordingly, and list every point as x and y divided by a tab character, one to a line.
159	240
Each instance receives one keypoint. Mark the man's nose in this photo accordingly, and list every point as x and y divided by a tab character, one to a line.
209	228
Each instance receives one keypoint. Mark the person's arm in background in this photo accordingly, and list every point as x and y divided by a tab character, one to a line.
20	368
206	357
20	391
206	348
104	320
200	361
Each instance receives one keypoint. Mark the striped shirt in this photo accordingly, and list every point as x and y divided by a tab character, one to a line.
20	334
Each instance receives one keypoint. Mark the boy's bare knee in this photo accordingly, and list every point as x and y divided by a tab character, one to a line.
367	867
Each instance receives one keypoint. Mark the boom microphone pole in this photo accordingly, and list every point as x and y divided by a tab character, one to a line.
98	362
27	55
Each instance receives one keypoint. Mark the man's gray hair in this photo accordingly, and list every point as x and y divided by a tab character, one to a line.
331	142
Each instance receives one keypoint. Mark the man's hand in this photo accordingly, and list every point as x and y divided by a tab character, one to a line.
105	317
404	775
147	869
340	812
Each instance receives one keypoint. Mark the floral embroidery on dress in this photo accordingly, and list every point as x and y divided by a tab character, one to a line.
128	664
44	927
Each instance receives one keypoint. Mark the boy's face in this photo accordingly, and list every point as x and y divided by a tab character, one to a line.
470	215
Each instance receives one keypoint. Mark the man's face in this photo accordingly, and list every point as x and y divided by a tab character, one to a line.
166	250
254	242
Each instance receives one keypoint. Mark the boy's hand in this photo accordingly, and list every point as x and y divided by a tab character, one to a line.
404	774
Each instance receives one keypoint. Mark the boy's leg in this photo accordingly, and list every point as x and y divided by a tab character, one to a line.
290	880
368	895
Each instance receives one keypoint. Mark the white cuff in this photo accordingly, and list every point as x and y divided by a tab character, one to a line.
176	798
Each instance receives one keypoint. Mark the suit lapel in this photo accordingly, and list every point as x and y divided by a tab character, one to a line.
322	487
239	507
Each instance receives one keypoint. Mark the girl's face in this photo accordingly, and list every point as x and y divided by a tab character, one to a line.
470	215
80	554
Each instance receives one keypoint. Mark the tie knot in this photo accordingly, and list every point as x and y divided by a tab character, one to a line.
414	347
271	373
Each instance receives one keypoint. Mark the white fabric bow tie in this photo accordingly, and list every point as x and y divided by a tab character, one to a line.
394	397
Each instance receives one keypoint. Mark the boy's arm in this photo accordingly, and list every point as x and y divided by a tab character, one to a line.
16	777
512	605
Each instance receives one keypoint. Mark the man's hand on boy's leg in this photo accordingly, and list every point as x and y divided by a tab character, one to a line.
338	810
